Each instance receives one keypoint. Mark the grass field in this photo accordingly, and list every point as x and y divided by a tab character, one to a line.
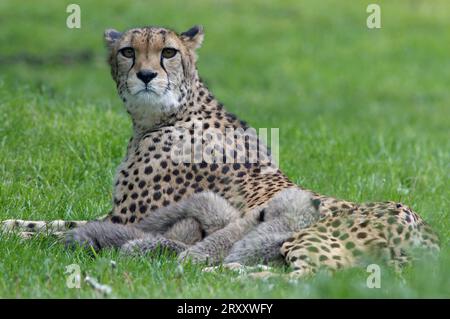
363	115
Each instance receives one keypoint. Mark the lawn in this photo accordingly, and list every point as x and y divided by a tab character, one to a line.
363	115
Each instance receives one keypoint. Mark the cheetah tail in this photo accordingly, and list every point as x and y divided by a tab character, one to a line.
28	228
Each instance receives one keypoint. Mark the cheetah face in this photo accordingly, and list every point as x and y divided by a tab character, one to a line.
153	68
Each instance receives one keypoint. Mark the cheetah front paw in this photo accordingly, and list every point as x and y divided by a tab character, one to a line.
234	266
194	256
142	246
262	275
92	235
79	238
133	248
239	268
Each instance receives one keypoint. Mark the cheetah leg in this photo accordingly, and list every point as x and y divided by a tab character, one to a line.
260	245
215	247
304	266
212	212
305	253
237	267
259	271
130	240
393	256
301	270
151	243
254	272
99	235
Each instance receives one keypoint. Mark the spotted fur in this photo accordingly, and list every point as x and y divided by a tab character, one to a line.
350	234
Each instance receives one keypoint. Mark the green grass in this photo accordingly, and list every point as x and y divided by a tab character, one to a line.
363	115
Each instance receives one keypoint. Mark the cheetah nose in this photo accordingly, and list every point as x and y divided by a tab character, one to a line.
146	75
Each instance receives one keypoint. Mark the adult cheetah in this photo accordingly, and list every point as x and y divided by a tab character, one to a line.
185	144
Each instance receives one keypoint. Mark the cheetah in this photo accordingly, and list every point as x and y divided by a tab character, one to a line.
186	144
212	231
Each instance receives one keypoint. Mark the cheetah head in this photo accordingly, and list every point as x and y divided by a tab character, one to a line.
154	69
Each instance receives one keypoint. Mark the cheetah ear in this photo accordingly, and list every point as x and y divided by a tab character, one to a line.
193	37
111	36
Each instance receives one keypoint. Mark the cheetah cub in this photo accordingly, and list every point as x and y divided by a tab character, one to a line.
206	228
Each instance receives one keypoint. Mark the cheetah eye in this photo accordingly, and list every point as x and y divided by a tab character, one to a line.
127	52
168	53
